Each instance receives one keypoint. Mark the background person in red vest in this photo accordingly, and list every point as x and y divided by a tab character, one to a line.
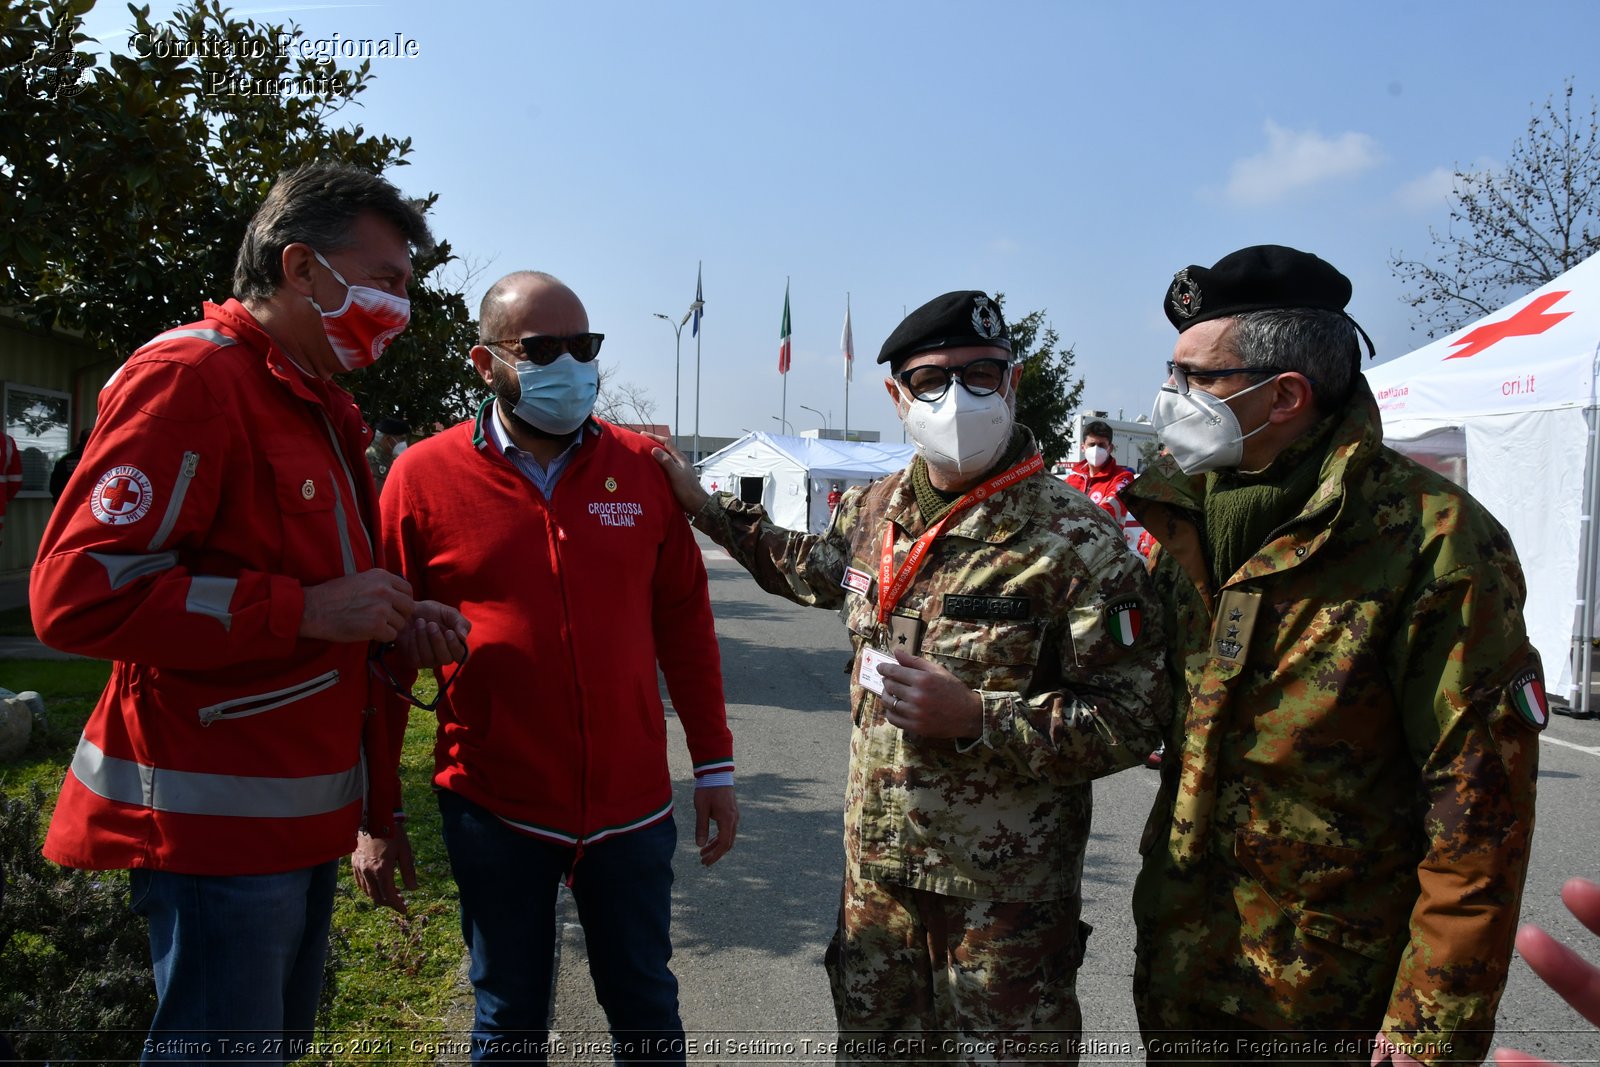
12	477
1100	478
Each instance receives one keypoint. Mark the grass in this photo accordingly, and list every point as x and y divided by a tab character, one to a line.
395	974
70	689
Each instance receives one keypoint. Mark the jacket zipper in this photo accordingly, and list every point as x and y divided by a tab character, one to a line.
255	704
180	488
350	481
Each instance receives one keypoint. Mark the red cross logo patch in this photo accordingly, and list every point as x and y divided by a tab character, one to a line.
122	495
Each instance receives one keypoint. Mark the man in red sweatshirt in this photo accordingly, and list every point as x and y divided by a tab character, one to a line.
558	535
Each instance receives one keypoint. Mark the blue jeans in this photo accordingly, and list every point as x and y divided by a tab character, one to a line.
623	889
238	962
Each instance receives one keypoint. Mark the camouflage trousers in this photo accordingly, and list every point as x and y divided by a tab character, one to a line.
926	978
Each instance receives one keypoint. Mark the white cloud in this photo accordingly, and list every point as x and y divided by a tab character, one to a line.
1296	160
1429	192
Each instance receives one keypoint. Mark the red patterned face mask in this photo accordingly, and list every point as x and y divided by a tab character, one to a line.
362	327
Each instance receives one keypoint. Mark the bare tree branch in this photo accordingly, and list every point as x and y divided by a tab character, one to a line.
1514	229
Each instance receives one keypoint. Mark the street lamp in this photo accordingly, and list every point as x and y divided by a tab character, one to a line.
826	422
786	424
677	361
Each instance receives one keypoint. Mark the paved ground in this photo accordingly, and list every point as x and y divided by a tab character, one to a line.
750	932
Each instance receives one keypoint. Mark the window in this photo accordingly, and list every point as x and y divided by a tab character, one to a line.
40	422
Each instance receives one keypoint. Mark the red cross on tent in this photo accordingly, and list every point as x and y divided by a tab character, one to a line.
1525	323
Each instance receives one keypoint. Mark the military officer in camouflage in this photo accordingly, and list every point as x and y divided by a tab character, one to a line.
1005	653
1334	865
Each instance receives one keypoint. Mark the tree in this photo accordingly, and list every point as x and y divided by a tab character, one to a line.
128	181
1515	229
623	402
1047	396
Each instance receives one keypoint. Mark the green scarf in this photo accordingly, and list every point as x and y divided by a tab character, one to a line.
933	503
1243	508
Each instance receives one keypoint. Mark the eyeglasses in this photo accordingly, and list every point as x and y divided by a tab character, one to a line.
1181	376
545	349
981	377
377	661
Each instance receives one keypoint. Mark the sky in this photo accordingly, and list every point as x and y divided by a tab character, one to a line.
1070	155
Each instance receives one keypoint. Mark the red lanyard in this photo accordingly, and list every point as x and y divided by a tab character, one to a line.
892	584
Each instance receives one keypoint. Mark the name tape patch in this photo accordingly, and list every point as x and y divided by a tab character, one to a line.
960	606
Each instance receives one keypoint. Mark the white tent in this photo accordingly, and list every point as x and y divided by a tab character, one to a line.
1504	406
792	476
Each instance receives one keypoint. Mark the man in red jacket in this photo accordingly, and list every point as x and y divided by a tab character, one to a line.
558	535
224	553
1101	478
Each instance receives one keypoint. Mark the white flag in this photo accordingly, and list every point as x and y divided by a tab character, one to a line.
846	343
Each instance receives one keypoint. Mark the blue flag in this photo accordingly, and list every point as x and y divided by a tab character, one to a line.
699	303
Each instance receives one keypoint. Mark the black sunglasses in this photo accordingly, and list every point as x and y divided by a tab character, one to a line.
377	661
545	349
981	377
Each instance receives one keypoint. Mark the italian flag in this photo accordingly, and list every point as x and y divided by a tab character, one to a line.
783	338
1123	622
1527	694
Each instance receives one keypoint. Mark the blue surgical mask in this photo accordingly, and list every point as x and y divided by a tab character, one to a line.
557	397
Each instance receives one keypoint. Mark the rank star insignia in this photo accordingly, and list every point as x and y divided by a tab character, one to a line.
985	320
1233	631
1235	615
1184	296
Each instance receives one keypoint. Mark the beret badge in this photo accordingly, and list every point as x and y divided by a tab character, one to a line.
985	320
1184	296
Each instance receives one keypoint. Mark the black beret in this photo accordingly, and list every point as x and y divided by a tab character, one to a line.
1258	278
393	426
954	320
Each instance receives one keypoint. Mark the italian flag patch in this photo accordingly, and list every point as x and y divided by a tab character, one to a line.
1527	696
1122	622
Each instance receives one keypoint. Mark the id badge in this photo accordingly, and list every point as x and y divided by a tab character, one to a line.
871	659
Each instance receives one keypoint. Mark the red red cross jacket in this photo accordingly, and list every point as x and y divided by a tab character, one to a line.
220	481
556	722
1102	487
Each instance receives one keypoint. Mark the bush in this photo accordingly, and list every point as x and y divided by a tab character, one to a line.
76	960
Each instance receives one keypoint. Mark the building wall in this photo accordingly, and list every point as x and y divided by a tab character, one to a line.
52	364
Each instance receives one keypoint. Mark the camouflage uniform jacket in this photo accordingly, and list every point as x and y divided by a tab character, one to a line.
1342	830
1031	599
